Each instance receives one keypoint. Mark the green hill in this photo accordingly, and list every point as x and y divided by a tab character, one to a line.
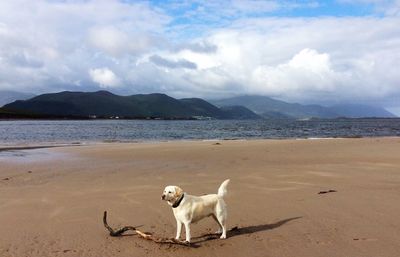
8	114
103	104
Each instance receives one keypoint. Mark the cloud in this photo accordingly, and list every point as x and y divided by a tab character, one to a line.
320	60
104	77
116	42
308	70
109	39
197	47
180	63
24	60
50	45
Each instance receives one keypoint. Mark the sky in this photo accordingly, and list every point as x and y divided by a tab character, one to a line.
306	51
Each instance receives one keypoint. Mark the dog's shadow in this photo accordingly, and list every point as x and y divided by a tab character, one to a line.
238	231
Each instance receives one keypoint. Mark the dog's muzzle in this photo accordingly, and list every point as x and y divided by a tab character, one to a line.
162	197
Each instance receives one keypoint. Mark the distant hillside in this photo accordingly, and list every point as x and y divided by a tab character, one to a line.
227	112
239	113
103	104
271	108
11	96
357	111
202	107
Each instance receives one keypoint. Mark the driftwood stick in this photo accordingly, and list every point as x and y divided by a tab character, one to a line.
141	234
117	232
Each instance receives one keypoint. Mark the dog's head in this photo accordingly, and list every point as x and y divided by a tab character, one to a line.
171	194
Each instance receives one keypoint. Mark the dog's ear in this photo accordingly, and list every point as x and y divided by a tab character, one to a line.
178	192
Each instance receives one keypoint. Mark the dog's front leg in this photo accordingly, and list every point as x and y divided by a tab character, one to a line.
178	229
187	230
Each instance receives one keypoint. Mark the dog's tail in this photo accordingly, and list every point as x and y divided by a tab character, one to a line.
222	188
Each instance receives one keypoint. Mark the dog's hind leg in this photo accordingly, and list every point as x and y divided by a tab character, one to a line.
219	231
223	236
222	222
221	215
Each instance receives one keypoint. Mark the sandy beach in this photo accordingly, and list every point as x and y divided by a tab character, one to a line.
52	199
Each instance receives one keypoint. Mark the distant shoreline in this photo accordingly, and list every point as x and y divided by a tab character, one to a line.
154	142
180	119
33	147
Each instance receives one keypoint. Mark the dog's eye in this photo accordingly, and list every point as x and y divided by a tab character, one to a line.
169	192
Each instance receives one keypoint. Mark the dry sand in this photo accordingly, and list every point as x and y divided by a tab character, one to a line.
52	200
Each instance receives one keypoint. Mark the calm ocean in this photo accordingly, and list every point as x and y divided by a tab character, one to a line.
70	131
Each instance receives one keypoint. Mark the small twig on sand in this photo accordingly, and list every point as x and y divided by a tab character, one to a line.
325	192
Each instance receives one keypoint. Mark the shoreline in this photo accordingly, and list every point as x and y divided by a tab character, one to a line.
33	146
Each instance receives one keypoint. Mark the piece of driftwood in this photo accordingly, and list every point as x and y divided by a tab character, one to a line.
117	232
159	240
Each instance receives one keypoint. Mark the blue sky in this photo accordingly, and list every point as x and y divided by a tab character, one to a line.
282	8
323	52
199	16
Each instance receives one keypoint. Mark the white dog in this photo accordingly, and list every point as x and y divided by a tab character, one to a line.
190	209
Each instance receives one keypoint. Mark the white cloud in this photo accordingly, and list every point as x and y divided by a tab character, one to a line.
57	42
116	42
104	77
108	39
320	60
308	70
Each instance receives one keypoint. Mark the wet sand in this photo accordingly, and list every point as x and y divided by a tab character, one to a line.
52	200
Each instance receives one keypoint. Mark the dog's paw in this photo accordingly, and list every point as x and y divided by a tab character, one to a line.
222	237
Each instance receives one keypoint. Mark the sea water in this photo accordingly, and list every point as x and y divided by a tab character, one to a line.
87	131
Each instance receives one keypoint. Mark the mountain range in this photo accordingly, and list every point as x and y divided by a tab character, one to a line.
103	104
271	108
